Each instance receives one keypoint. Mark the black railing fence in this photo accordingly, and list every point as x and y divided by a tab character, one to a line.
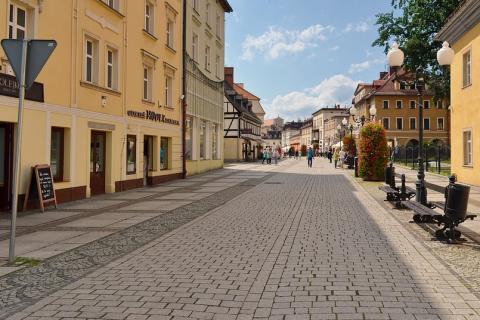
436	157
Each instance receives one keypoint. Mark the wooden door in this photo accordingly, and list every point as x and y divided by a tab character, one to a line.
97	162
6	164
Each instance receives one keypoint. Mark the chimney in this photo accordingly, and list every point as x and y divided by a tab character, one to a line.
229	76
383	74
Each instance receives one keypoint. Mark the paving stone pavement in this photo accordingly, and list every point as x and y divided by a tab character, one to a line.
305	244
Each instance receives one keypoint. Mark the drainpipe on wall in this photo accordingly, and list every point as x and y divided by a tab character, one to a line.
184	91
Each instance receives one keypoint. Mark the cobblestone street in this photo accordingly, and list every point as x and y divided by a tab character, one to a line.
303	243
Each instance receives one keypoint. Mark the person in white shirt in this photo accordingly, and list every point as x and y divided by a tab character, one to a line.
342	158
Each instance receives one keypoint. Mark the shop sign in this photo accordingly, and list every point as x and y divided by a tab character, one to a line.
9	87
152	116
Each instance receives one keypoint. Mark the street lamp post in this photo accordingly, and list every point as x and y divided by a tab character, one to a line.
395	59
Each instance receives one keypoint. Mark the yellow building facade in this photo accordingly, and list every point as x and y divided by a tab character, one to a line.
464	90
107	115
204	61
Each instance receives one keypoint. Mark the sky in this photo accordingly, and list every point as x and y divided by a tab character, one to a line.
302	55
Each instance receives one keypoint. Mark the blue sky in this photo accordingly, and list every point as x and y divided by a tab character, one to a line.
299	55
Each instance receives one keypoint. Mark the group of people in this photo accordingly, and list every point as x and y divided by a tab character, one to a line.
338	156
268	154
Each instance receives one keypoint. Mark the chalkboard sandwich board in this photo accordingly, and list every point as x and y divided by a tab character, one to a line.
40	187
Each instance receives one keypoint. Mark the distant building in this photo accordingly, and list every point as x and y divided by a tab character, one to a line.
462	31
332	135
242	137
395	99
318	128
290	129
306	132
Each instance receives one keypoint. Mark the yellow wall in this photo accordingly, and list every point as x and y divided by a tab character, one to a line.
76	106
464	105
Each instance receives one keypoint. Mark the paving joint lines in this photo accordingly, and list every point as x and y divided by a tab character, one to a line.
440	250
27	286
87	213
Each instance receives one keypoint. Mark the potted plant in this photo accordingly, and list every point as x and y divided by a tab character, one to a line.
373	153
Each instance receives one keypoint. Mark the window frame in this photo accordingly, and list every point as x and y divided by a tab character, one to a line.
13	26
467	68
429	124
388	104
168	91
207	13
114	68
396	123
388	123
207	58
170	33
410	123
401	104
202	145
425	103
131	149
61	161
468	143
149	26
195	46
443	124
94	60
147	83
414	105
166	154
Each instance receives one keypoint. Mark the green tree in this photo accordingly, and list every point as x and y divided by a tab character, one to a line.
414	24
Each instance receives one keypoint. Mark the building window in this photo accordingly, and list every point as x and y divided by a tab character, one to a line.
112	69
399	104
207	13
17	22
214	141
149	17
467	148
91	60
189	138
164	152
112	4
147	83
426	124
399	123
385	104
195	47
195	4
413	123
440	124
426	104
413	104
207	58
217	66
218	26
57	148
386	123
203	139
467	68
170	28
131	154
439	104
168	91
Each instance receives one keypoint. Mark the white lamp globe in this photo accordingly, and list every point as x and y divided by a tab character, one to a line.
339	127
395	56
373	110
445	55
344	121
353	111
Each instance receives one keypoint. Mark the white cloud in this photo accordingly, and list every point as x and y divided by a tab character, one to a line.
277	41
359	27
359	67
337	89
334	48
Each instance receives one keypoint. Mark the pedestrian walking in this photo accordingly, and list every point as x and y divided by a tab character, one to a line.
336	155
275	156
342	158
330	155
310	157
269	156
264	155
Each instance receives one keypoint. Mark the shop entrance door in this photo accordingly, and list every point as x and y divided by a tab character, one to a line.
97	163
6	164
147	157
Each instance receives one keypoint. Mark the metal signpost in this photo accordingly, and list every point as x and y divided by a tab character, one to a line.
27	58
